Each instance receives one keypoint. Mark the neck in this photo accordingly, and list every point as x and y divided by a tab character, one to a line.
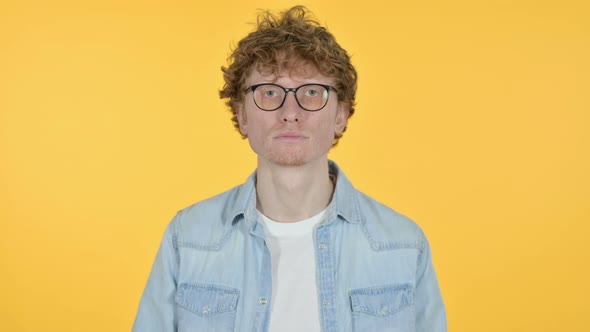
293	193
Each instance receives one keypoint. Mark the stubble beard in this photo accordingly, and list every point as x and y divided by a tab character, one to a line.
293	155
287	156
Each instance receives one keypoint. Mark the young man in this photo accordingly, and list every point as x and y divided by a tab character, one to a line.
296	247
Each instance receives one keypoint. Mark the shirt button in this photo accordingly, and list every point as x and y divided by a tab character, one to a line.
322	246
326	303
263	300
206	309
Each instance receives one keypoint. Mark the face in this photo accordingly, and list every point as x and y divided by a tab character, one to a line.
290	135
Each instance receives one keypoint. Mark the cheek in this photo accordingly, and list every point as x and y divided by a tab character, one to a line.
326	128
257	129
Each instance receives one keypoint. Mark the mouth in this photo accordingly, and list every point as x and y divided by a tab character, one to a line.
290	137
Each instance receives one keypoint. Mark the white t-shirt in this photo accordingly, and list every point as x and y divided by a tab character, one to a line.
294	289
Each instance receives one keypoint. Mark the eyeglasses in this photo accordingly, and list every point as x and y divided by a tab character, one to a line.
270	97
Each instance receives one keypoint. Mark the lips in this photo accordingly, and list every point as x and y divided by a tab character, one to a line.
291	136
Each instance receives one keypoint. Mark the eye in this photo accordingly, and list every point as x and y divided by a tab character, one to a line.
312	92
270	93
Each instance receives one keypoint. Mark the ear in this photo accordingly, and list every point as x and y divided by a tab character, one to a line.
341	118
242	119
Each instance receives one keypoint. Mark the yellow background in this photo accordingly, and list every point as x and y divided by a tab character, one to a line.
473	119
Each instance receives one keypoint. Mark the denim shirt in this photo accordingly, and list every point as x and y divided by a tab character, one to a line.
213	269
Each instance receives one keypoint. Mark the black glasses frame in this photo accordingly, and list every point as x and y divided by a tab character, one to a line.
287	90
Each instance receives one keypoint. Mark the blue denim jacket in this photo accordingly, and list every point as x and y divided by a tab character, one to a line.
213	269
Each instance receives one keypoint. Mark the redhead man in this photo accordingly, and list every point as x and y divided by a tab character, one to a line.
296	247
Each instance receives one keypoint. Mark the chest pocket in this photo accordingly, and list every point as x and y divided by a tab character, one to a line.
383	308
206	307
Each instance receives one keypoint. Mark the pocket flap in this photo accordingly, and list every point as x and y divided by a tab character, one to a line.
382	300
207	300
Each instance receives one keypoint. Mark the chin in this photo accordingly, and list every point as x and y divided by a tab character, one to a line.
288	160
288	157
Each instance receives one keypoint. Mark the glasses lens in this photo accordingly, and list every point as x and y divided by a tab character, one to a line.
269	96
312	97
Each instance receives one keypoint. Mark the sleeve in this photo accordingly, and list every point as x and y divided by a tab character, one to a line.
157	309
430	309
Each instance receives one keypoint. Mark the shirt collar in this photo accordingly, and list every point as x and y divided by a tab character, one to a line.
344	200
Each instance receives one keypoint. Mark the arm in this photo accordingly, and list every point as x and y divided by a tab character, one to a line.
430	309
157	308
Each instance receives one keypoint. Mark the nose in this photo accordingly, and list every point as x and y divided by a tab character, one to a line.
290	111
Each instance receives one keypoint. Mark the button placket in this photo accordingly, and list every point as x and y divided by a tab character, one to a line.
326	281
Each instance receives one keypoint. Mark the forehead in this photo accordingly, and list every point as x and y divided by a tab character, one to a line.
297	71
